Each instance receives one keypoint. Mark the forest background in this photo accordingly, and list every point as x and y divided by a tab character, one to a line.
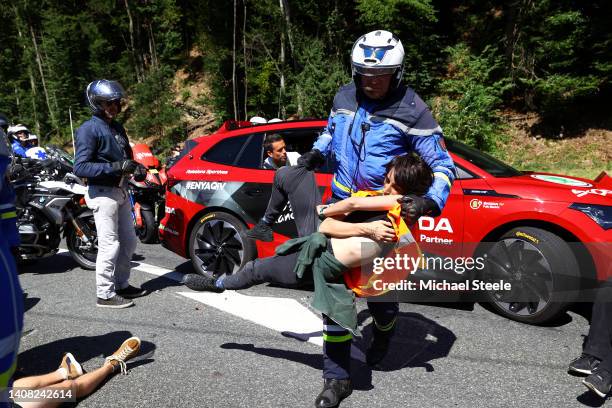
526	80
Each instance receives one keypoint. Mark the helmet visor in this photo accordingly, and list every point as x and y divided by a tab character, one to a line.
377	53
374	71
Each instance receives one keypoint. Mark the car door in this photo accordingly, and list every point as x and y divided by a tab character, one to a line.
442	237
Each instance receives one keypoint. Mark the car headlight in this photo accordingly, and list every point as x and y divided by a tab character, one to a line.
601	214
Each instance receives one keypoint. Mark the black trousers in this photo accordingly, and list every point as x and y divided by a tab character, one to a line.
599	342
296	185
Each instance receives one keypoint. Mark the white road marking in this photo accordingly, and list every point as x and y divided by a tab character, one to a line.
279	314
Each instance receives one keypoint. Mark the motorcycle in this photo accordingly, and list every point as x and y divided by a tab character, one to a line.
148	196
50	202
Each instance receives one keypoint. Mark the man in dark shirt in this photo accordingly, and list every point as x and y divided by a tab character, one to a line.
104	156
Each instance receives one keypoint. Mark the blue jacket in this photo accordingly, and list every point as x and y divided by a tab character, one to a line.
18	149
11	296
8	215
98	145
362	136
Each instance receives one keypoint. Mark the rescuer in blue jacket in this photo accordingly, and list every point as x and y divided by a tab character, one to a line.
374	119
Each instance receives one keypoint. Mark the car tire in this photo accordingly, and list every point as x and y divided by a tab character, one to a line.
541	268
218	244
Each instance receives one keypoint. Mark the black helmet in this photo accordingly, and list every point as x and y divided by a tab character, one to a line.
103	90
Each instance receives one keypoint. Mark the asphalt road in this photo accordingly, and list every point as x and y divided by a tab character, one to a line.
195	355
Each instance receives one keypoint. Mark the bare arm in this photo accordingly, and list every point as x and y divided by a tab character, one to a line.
348	205
376	230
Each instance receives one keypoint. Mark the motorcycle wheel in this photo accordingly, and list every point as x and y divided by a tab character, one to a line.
85	258
148	232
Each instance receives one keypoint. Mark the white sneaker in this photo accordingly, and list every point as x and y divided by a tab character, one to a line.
71	368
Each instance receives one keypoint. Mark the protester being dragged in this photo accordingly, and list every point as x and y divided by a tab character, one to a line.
104	157
372	227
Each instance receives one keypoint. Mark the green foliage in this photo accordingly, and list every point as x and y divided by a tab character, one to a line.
153	112
315	86
389	13
544	55
468	109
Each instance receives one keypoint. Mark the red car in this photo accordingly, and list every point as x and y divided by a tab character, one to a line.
546	234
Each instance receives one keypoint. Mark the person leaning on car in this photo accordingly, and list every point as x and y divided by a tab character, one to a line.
104	157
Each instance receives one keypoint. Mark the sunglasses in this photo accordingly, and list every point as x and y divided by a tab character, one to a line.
113	102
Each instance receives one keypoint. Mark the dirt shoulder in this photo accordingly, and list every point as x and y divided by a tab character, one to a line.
584	155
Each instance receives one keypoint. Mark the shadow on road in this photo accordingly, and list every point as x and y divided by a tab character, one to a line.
159	283
416	343
58	263
29	302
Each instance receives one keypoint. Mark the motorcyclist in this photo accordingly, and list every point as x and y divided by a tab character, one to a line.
19	136
105	158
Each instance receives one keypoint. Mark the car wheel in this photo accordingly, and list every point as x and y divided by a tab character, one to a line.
218	245
542	270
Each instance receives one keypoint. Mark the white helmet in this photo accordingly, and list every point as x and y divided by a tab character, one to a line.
13	130
258	120
378	53
275	120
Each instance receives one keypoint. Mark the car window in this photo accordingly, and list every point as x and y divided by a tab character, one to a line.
463	174
301	141
486	162
189	145
250	153
243	151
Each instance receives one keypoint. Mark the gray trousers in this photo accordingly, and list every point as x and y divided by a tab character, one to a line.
116	237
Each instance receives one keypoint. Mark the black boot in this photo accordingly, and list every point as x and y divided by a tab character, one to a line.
379	346
260	231
334	391
201	283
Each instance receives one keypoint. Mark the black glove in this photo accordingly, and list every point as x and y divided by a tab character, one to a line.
124	167
140	174
413	207
311	160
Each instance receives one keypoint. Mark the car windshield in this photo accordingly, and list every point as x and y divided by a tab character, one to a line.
482	160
